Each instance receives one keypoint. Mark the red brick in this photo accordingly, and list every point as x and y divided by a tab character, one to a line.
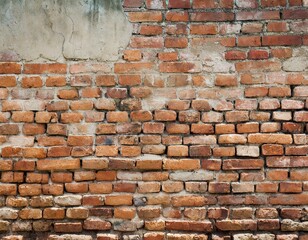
295	14
272	149
224	151
258	15
71	117
177	29
258	54
148	30
105	80
110	151
281	52
165	115
9	152
118	200
247	3
291	213
117	116
290	187
54	164
24	165
153	16
277	27
57	106
30	189
134	67
298	175
301	116
273	3
89	92
286	161
296	2
181	164
219	187
125	187
256	92
124	213
140	92
130	151
199	4
23	116
81	81
12	177
270	138
281	40
146	42
211	16
250	41
68	227
155	4
226	80
129	80
168	56
181	16
9	129
252	78
52	189
235	164
266	66
41	68
53	213
7	81
204	226
34	153
100	188
178	105
10	68
133	3
289	199
226	3
68	94
237	116
245	176
208	29
177	151
189	116
235	55
176	42
236	225
296	150
62	177
269	224
277	175
179	4
55	81
174	128
179	67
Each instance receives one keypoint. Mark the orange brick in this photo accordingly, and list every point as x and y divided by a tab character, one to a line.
31	82
119	200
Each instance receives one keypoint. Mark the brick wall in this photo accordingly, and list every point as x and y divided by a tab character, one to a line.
198	131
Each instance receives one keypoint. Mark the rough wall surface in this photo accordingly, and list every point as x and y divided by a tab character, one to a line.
197	130
59	30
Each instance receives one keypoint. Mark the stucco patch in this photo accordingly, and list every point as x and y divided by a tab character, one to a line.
66	29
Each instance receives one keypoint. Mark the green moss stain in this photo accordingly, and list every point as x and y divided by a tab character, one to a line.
97	7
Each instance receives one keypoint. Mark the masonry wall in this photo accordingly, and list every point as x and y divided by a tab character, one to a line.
197	131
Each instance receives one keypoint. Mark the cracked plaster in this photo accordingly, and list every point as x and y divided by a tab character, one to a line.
60	30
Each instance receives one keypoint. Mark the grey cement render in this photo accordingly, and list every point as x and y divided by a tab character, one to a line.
59	30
